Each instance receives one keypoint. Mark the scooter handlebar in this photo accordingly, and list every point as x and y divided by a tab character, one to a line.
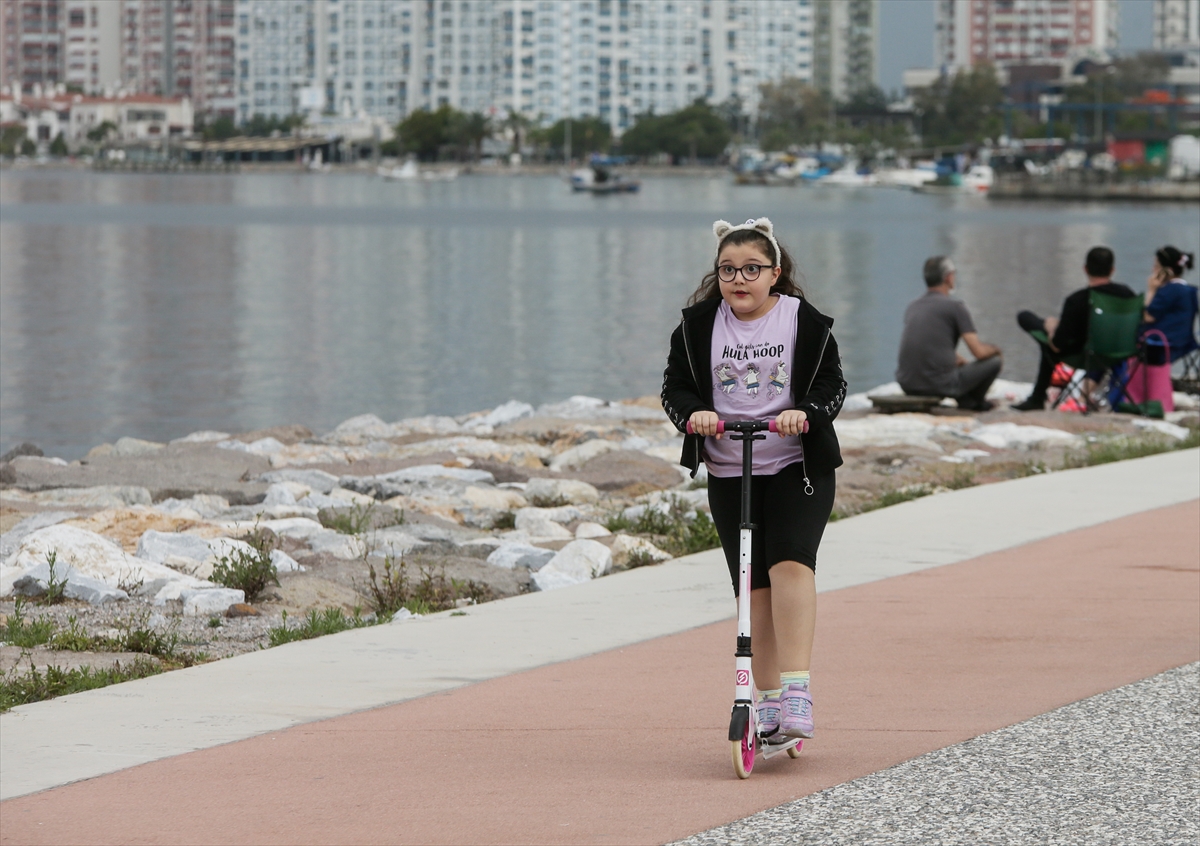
721	427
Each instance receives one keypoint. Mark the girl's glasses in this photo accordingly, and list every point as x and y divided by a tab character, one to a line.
727	272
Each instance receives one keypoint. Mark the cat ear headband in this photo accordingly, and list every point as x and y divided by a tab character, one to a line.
763	226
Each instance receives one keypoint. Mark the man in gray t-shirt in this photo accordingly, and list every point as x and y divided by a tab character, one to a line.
929	363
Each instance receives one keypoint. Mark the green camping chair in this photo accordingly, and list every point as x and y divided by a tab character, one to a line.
1112	337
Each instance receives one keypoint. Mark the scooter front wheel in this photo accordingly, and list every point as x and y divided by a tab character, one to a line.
743	751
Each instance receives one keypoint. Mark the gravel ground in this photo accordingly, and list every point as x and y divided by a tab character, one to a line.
1118	768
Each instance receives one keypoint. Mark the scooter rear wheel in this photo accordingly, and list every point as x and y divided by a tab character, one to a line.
794	752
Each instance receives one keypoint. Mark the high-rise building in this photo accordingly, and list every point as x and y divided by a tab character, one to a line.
543	59
276	55
180	48
846	45
1007	32
30	44
92	46
1176	25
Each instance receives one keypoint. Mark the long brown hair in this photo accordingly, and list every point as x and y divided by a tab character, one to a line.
710	285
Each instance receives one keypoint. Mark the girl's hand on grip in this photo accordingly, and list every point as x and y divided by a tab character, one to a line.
705	423
790	422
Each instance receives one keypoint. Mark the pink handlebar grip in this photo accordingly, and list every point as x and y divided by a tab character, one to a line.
771	426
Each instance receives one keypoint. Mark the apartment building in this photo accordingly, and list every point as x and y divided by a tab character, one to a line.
30	44
180	48
846	45
1177	25
1008	32
91	46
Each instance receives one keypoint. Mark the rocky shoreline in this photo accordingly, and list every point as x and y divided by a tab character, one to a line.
470	508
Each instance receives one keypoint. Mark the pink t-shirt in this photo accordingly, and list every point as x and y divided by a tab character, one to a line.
752	361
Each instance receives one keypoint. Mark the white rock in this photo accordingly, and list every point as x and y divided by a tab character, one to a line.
509	412
571	490
316	480
577	456
285	493
204	506
558	514
544	529
425	472
624	546
87	554
160	546
1177	432
133	446
284	563
393	541
319	501
510	555
10	540
551	579
474	545
101	496
365	425
1014	436
263	446
202	603
299	528
428	425
36	581
496	499
346	497
591	530
206	436
1185	402
336	544
887	430
577	562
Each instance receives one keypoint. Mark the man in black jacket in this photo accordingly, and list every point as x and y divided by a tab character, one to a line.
1068	334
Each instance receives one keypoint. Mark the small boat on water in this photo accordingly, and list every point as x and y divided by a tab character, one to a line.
599	180
410	171
977	180
849	176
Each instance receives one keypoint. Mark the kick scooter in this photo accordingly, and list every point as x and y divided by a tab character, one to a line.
745	734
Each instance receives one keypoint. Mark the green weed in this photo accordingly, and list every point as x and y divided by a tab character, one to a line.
672	530
55	588
431	591
24	633
248	571
73	638
1121	449
18	688
319	623
505	520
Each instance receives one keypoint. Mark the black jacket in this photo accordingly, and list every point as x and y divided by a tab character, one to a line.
817	370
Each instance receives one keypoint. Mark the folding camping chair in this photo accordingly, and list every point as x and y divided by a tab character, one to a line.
1112	338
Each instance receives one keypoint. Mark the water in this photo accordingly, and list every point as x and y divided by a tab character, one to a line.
157	305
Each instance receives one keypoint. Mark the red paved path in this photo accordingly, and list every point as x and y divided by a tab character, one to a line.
902	667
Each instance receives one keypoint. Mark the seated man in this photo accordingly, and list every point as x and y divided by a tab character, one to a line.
929	363
1068	334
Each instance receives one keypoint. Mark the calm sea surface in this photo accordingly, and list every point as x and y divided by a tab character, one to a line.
157	305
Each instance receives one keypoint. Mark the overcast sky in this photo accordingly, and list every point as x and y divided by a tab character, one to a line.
906	39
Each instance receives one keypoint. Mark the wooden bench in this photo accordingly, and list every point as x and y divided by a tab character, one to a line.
904	402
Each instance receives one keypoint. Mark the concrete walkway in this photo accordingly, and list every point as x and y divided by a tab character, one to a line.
1025	582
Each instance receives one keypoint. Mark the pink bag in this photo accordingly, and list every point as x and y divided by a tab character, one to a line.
1152	381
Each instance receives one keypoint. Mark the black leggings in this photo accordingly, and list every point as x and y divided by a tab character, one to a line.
788	522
